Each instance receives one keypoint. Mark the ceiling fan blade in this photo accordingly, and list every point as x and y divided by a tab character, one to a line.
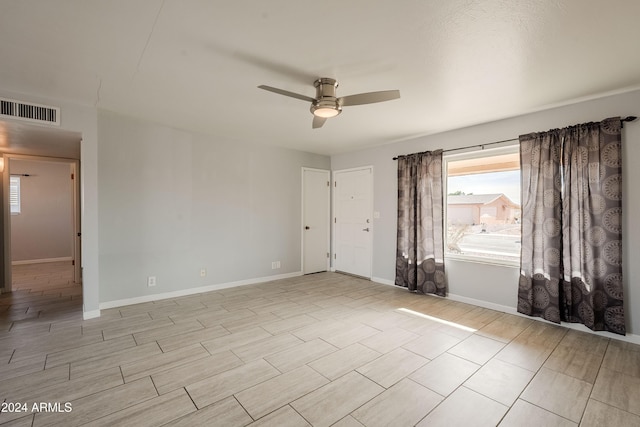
287	93
318	122
369	97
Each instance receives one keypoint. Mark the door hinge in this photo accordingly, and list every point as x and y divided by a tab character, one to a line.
335	220
328	184
73	262
328	256
334	256
71	176
335	183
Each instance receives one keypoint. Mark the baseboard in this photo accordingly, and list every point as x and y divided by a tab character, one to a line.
43	260
86	315
631	338
484	304
383	281
192	291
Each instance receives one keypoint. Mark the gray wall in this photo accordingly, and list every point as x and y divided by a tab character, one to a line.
495	285
173	202
44	227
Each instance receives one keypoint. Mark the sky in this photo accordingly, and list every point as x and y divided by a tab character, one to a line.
487	183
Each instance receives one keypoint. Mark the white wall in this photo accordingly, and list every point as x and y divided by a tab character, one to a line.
43	230
494	285
173	202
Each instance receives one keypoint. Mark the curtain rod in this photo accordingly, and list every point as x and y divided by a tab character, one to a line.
626	119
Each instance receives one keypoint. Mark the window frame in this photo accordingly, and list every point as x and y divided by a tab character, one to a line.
473	153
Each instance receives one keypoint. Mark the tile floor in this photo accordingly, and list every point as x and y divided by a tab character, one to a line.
50	277
321	350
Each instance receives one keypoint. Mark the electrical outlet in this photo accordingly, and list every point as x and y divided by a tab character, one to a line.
273	265
151	281
277	264
203	272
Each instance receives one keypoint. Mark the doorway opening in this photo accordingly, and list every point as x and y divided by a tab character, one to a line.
43	145
43	225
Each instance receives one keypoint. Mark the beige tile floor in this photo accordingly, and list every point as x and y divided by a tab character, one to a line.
321	350
52	278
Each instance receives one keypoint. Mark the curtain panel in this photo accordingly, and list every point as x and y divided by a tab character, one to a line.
571	258
420	240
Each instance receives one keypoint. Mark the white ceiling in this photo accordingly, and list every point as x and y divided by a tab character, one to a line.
196	64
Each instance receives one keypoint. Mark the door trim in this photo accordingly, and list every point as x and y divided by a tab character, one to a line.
333	215
328	217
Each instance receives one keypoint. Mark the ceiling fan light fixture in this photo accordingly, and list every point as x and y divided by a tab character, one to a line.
325	112
326	108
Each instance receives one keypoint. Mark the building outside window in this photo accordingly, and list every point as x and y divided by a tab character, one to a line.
483	206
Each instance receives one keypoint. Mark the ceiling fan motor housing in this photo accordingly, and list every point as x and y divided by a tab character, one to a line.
326	104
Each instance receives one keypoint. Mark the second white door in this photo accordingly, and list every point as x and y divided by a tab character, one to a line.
315	220
352	220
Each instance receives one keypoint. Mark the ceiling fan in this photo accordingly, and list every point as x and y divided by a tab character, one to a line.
326	105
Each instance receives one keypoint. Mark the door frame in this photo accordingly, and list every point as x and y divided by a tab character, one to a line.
75	209
333	215
302	216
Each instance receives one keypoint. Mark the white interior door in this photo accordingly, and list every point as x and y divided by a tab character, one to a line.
353	225
315	220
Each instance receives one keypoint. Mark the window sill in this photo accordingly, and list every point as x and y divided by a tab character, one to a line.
482	260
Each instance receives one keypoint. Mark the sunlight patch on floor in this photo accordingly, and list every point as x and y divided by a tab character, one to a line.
436	319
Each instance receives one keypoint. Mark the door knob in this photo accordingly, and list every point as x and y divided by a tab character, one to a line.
365	229
306	227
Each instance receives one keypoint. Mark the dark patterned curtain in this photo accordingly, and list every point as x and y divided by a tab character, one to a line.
571	260
420	248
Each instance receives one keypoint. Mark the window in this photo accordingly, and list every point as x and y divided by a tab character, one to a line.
14	194
483	206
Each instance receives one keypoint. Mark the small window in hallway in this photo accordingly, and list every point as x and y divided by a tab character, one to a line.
14	194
